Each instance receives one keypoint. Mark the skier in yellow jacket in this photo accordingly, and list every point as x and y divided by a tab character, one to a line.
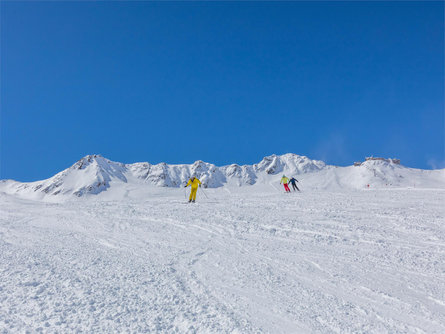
285	181
195	183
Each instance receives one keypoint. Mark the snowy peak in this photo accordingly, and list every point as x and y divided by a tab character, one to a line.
90	175
387	163
102	168
290	163
239	175
381	172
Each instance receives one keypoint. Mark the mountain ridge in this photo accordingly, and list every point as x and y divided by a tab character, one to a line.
94	174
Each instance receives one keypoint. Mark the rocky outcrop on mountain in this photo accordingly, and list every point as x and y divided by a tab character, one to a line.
293	163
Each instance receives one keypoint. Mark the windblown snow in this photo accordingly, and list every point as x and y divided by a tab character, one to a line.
106	247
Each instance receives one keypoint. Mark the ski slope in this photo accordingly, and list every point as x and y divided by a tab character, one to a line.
240	260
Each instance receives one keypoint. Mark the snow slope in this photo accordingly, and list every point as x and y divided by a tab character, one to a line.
241	260
94	174
378	174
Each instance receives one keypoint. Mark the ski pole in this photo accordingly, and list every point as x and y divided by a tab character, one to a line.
204	193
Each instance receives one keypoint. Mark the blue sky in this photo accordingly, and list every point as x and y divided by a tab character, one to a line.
222	82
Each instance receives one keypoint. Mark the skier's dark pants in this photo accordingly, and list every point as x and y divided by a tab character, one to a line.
294	186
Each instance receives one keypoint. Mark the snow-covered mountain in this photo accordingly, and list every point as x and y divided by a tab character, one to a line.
90	175
94	174
376	174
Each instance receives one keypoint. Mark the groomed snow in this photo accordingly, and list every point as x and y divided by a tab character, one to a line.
241	260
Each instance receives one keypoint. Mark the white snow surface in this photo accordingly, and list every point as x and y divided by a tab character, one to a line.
240	260
106	247
94	174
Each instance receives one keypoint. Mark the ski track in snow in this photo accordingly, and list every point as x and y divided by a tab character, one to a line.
320	262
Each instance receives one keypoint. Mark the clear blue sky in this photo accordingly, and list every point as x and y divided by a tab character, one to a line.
222	82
